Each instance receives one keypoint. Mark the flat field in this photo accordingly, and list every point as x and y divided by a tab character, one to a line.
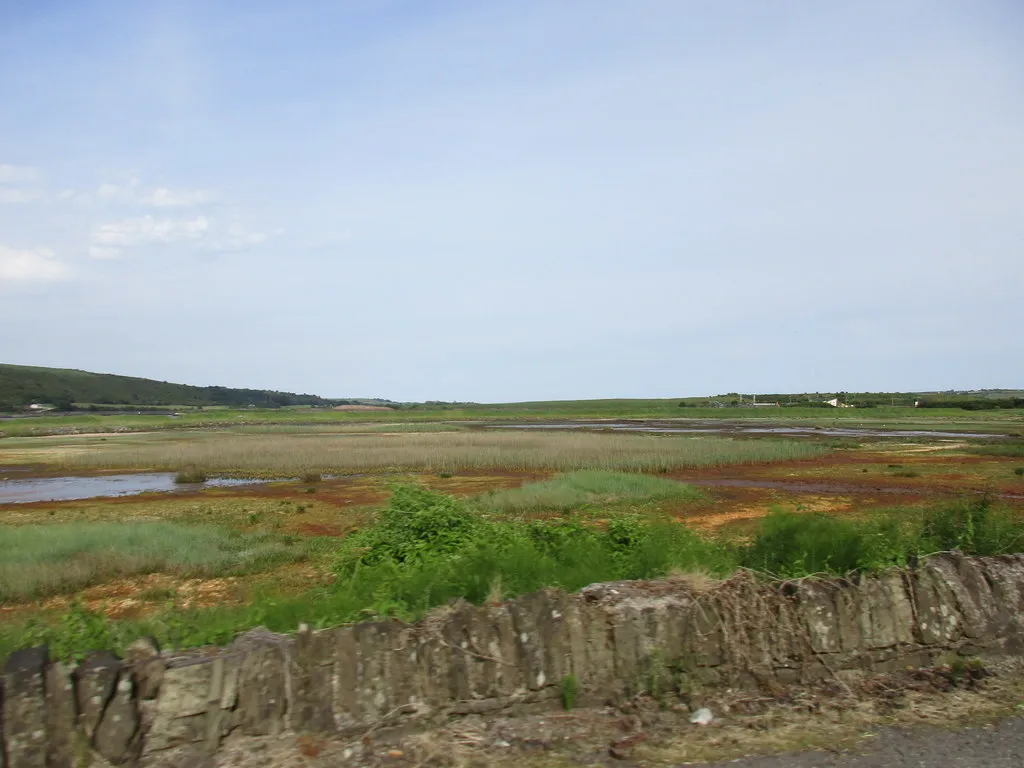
332	532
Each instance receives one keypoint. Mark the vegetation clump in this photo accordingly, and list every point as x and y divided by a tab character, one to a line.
41	560
443	452
570	690
426	548
589	487
190	475
792	545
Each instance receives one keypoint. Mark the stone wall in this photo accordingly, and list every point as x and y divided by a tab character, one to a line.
617	639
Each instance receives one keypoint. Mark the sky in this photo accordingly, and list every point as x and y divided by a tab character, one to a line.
503	201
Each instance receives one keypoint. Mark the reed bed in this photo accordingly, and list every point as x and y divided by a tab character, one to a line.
41	560
285	454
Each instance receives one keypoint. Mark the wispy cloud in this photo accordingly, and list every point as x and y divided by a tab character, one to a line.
205	233
163	197
99	252
135	194
238	237
10	196
146	230
17	174
30	265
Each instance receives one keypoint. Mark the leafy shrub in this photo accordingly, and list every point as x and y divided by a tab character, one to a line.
1019	471
426	548
416	525
792	545
190	475
973	527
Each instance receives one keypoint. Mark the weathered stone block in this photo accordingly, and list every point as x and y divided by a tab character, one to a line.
938	620
116	736
60	717
819	613
143	656
887	614
95	681
313	707
24	708
178	717
262	693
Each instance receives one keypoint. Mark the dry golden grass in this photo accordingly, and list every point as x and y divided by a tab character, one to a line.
434	452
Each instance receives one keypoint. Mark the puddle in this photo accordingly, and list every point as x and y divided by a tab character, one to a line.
72	488
737	429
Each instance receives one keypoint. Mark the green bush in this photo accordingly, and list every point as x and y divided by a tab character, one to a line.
417	525
427	548
790	544
973	527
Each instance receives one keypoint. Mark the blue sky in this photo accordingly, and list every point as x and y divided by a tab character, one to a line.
500	201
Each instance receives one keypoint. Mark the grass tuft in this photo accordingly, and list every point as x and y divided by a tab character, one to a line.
577	489
190	475
41	560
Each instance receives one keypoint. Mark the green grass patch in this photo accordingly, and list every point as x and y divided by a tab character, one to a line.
41	560
791	545
594	487
1012	450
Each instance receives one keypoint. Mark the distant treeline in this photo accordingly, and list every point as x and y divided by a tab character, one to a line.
973	404
981	401
21	386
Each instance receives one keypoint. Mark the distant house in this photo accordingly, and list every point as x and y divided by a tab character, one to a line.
37	407
834	402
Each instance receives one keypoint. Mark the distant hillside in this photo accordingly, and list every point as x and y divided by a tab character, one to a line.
21	385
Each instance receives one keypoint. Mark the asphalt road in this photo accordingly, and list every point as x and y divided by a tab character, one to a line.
997	746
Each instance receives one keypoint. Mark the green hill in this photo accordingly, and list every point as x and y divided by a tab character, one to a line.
21	385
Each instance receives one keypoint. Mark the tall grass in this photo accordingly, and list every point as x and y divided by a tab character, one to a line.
40	560
342	429
441	452
1010	449
586	488
792	545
